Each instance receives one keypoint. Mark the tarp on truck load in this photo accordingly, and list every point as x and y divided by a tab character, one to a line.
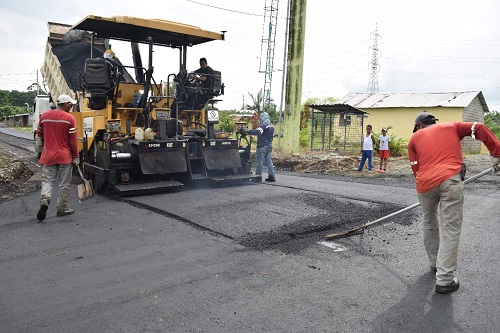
72	58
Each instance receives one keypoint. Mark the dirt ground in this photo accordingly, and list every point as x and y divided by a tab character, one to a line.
14	177
335	164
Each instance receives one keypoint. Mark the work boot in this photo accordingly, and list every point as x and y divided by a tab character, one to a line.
270	179
453	286
42	213
65	212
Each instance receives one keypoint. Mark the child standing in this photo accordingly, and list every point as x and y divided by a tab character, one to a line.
384	141
366	152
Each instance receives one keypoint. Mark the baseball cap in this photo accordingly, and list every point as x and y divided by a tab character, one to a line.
65	99
423	117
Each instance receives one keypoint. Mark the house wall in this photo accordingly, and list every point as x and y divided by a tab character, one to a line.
402	120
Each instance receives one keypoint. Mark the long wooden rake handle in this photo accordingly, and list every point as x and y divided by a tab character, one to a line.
366	225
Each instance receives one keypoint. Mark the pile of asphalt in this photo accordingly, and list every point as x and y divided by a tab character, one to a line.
341	215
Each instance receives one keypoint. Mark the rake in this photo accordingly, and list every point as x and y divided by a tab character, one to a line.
361	228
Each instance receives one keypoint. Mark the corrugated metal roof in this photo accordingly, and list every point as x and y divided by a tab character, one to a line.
337	108
409	100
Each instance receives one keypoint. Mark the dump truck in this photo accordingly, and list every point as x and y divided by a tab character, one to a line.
136	132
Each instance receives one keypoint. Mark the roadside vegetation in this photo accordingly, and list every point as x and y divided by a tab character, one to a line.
14	102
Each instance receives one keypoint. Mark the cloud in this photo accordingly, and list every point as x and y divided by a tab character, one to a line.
429	46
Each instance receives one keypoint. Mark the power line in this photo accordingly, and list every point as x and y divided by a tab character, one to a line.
16	74
220	8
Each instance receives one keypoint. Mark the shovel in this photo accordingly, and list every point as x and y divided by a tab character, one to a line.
360	229
85	189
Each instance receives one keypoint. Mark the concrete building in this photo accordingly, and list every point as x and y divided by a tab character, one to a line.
398	111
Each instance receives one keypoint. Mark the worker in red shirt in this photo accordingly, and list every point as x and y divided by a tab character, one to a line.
436	160
57	129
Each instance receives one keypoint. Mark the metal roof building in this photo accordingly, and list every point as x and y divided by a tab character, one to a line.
411	100
397	111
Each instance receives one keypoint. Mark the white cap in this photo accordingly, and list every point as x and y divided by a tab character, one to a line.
65	99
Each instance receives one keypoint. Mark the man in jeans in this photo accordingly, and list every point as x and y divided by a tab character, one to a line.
265	134
57	129
436	160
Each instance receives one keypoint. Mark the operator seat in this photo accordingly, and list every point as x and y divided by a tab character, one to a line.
97	81
212	87
215	87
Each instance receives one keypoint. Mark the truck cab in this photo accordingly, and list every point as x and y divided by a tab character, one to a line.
40	104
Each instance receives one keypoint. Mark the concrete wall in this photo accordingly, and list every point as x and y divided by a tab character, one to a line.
474	112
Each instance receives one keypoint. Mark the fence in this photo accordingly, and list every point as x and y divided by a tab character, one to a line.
336	127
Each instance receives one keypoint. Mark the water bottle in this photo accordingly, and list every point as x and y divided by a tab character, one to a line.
139	134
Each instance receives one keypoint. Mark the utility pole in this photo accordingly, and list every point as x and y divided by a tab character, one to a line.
374	65
280	121
294	72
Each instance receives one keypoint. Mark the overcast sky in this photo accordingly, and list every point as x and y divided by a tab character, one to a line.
425	46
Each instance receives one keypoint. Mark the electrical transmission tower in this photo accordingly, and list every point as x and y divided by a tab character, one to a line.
374	65
268	42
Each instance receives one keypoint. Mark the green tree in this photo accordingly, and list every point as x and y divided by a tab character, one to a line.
17	98
10	110
5	98
226	122
257	103
306	112
492	120
34	87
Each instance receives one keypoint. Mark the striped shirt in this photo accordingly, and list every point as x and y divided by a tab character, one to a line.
57	129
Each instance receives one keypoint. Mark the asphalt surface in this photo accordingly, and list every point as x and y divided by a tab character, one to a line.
248	258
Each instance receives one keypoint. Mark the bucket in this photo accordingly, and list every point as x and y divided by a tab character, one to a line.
139	134
137	99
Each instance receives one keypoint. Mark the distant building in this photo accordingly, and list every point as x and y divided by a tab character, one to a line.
19	120
398	110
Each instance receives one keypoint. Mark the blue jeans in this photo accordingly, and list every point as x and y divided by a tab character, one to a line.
366	154
264	153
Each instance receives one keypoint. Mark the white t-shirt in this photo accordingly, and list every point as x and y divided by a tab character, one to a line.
384	142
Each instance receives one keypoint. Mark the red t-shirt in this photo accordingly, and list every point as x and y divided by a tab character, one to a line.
436	155
57	128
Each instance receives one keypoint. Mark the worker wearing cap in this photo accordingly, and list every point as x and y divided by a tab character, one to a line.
436	160
57	129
